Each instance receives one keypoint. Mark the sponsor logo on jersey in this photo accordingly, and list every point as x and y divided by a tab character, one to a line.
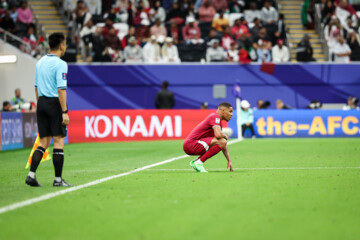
217	120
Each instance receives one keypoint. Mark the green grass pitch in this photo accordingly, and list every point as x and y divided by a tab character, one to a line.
281	189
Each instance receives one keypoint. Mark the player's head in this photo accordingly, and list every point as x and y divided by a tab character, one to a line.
17	93
57	42
225	110
165	84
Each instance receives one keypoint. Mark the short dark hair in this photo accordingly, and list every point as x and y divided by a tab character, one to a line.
165	84
55	39
225	104
5	103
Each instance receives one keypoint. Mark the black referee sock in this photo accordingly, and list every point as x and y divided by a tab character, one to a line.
58	161
36	158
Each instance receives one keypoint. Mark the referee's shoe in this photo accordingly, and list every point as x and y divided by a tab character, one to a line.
32	182
61	184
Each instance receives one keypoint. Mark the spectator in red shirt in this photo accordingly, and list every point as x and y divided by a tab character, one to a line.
107	27
143	32
191	32
239	28
226	40
206	12
175	32
112	40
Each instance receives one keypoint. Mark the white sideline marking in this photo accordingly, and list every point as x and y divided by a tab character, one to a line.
283	168
47	196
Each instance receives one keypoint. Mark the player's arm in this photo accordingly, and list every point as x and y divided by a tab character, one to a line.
61	78
36	94
227	156
218	134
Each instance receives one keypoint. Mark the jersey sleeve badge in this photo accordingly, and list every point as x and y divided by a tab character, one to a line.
217	120
64	76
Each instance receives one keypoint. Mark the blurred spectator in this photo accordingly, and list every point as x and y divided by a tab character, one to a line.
139	15
280	52
247	53
151	51
176	14
7	23
24	19
123	11
164	98
226	40
354	44
281	105
239	28
243	40
206	12
236	6
13	12
108	25
327	12
307	14
220	22
86	36
17	100
4	4
184	5
131	33
261	104
304	51
263	52
315	104
332	32
191	32
219	5
269	14
32	40
157	12
132	52
204	105
143	32
98	46
246	118
233	53
352	103
344	10
170	52
158	29
252	13
175	32
254	31
280	30
190	12
214	52
94	6
212	35
262	36
7	107
342	51
112	40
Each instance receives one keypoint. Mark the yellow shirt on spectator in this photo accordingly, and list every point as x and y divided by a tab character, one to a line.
218	23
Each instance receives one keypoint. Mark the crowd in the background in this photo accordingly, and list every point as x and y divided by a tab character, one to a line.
17	18
341	30
152	31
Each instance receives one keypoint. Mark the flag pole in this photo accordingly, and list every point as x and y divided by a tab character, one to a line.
238	119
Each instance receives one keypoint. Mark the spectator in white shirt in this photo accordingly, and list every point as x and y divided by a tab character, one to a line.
157	12
170	52
252	13
269	15
94	6
151	51
215	53
280	52
342	51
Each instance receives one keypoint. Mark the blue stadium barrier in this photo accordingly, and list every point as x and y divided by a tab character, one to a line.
134	86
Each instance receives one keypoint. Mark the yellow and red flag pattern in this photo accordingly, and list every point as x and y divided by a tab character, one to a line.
46	156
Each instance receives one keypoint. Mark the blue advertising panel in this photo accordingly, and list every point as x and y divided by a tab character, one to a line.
11	131
304	123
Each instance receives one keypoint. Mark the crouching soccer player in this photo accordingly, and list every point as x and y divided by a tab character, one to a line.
207	140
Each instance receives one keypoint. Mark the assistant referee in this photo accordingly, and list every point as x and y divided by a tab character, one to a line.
52	113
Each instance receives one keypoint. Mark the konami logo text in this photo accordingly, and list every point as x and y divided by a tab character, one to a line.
102	126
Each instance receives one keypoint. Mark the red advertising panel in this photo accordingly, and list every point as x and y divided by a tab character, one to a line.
132	125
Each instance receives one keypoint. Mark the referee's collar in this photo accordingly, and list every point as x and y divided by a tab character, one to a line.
50	55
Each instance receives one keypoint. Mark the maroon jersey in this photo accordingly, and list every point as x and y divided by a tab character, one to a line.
205	128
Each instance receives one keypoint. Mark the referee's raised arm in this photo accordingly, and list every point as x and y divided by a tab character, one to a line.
52	113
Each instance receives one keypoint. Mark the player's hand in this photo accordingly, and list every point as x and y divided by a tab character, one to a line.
66	119
229	166
226	137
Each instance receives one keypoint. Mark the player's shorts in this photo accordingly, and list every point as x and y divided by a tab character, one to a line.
197	147
49	117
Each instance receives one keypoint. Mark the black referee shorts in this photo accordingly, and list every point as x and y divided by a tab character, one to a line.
49	117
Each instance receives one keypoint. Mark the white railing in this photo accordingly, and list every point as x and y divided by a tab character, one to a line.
319	28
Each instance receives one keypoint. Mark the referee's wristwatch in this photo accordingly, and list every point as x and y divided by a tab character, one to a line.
66	111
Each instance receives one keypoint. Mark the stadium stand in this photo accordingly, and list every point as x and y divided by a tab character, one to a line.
303	26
